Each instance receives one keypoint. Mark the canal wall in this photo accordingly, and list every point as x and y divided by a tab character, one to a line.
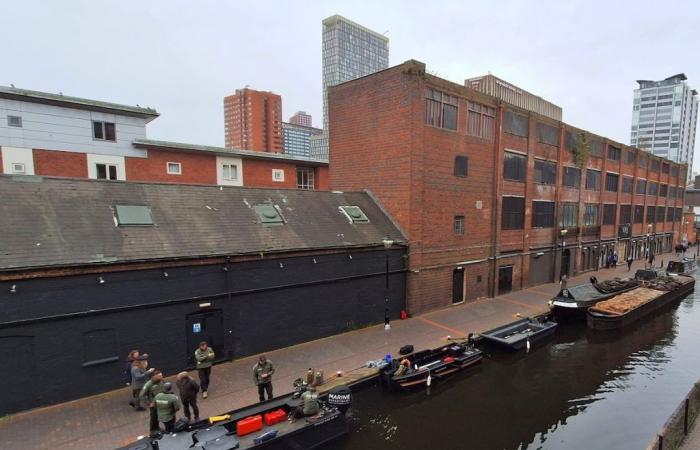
677	427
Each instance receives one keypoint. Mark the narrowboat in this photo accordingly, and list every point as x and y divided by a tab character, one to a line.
572	303
631	306
265	425
686	266
516	335
420	368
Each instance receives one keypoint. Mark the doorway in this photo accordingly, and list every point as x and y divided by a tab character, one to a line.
566	262
505	279
205	326
458	285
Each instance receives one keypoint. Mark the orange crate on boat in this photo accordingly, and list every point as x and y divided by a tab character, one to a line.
249	425
274	417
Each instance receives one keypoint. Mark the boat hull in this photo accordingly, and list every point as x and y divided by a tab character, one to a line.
498	335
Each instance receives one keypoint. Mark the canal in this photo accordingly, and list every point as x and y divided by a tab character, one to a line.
580	390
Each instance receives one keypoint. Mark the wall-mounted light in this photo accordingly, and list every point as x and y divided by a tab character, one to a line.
225	269
281	266
314	260
350	257
387	241
205	305
165	274
101	280
13	289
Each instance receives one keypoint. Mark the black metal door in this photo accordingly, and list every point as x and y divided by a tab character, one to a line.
205	326
505	279
458	285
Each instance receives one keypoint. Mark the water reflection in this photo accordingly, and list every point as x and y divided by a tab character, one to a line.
583	389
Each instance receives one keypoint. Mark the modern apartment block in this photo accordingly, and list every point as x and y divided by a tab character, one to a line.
349	51
297	139
511	94
253	121
493	197
664	118
47	134
301	118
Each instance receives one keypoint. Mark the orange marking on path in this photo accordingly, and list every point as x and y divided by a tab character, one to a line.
515	302
439	325
548	294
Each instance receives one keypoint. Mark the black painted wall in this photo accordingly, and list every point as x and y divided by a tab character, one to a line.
65	338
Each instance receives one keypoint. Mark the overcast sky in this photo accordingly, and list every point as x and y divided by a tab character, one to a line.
183	57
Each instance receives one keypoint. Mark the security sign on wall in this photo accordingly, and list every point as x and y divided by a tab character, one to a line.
197	327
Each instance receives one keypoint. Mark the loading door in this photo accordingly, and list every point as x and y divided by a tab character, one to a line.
505	279
205	326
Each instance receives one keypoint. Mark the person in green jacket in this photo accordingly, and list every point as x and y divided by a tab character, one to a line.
167	405
204	356
310	405
262	376
153	387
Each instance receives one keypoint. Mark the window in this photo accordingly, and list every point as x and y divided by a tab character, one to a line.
513	213
277	175
609	214
14	121
440	109
268	215
595	148
133	215
459	225
19	168
625	214
651	214
106	171
548	134
229	172
568	216
516	124
305	178
590	215
665	168
629	157
592	180
354	214
627	185
514	166
571	177
569	140
542	214
660	213
663	190
545	172
652	188
481	121
611	182
613	153
655	165
461	166
641	187
174	168
674	171
642	161
638	214
103	131
679	215
669	214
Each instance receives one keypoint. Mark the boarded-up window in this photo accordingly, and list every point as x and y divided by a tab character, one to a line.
542	214
545	172
514	166
609	213
516	124
547	134
571	177
513	213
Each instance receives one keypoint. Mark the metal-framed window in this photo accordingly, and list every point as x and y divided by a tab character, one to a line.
514	166
305	178
609	213
545	172
14	121
461	166
104	131
611	182
440	109
106	171
174	168
625	214
513	213
613	153
568	215
19	168
651	214
627	183
592	180
481	120
663	190
652	188
516	124
547	134
542	214
571	177
458	225
641	187
639	213
590	215
229	172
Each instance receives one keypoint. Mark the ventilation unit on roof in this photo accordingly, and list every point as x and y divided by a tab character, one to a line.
133	216
269	215
354	214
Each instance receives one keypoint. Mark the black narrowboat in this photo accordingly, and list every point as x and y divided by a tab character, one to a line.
516	335
420	368
686	266
572	303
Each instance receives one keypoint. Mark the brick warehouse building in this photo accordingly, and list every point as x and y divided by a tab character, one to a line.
253	121
488	194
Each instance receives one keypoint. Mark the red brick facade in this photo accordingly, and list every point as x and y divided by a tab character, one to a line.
253	121
61	164
382	143
196	168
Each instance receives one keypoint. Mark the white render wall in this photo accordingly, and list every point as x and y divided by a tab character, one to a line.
60	128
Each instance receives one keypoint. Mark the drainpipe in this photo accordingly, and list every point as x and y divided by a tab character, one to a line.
494	201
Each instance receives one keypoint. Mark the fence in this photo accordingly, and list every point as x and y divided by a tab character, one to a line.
680	423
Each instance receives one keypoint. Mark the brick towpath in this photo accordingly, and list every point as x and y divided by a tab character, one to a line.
107	421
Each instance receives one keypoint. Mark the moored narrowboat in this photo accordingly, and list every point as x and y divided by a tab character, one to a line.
572	303
517	335
685	266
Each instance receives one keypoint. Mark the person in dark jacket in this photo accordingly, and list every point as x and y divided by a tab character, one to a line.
204	356
133	356
629	262
262	375
139	375
153	387
188	389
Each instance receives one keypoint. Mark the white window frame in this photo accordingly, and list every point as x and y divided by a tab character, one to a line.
175	164
278	175
22	171
229	166
107	167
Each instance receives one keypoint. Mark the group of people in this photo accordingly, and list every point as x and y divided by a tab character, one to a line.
150	390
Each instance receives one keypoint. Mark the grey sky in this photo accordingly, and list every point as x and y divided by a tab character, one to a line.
182	57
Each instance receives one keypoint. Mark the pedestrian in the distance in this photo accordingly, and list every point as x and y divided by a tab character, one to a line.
629	262
562	282
204	356
188	389
153	387
167	404
133	356
262	375
615	259
139	375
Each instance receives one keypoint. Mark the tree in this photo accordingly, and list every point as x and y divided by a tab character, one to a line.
581	150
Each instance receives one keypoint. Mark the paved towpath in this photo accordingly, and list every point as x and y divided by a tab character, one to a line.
107	421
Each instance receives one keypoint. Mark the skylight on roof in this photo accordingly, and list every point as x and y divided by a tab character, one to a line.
133	216
354	214
268	215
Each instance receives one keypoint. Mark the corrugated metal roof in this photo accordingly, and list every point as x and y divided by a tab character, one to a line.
76	102
61	222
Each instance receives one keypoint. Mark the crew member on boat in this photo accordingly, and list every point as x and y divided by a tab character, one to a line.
403	367
310	405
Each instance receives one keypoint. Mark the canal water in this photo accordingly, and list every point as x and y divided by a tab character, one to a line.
581	390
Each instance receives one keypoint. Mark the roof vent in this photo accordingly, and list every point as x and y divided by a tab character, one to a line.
133	216
269	215
354	214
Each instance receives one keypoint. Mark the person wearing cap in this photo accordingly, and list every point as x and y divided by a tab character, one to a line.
139	375
310	405
204	356
188	394
262	376
167	404
153	387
